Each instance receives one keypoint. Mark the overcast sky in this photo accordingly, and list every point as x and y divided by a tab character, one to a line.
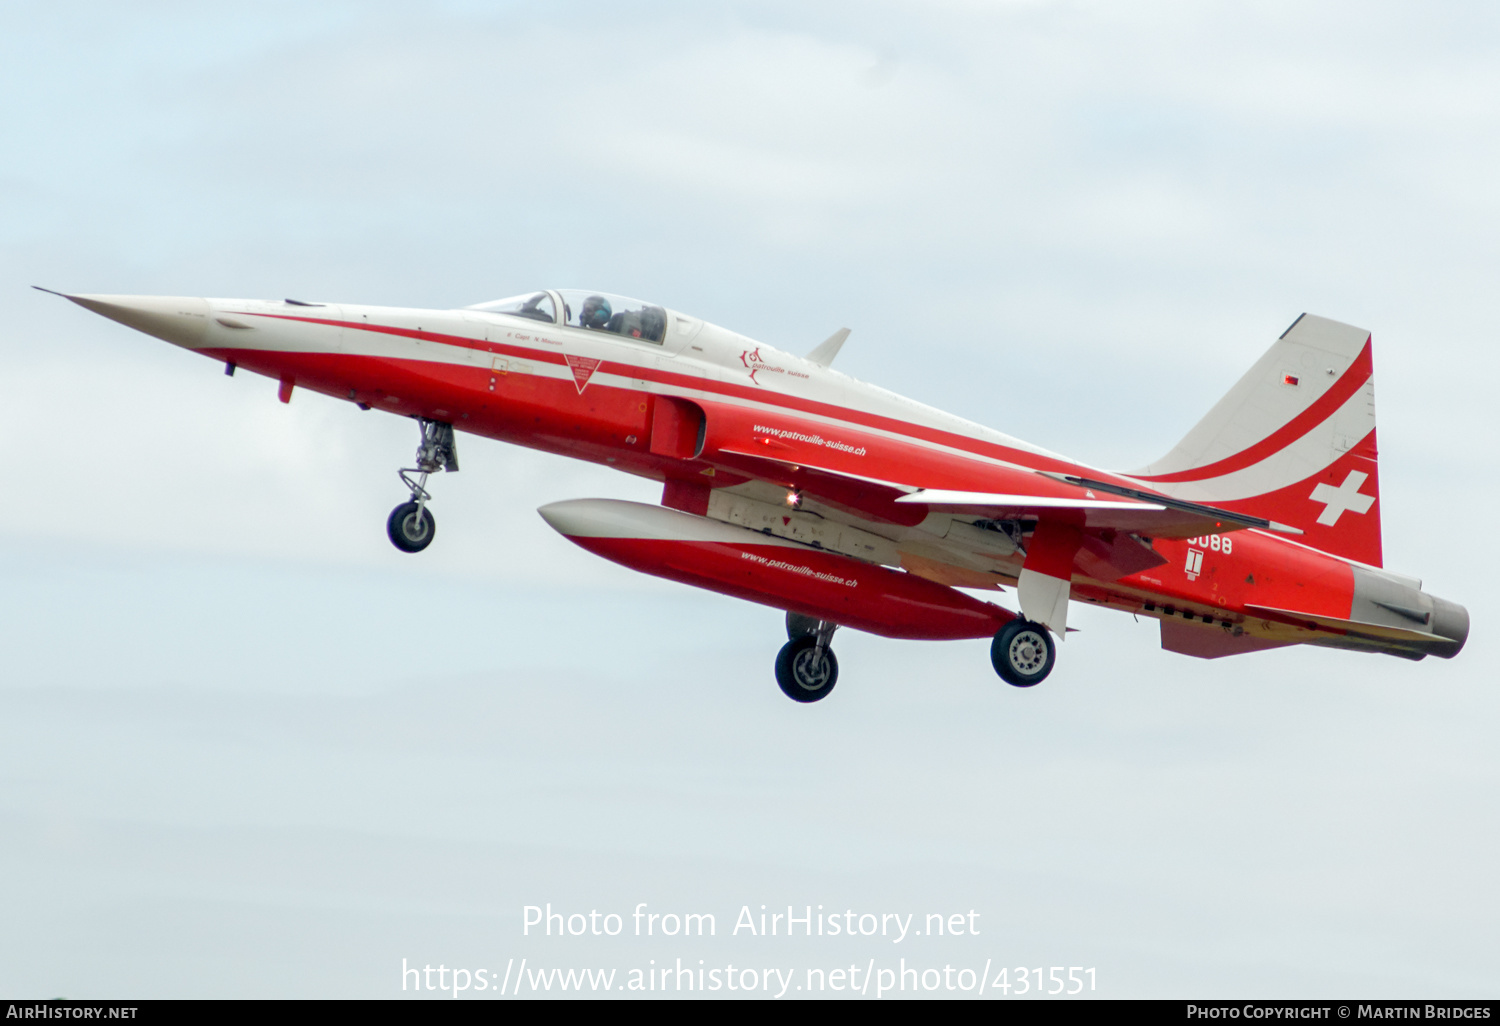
247	748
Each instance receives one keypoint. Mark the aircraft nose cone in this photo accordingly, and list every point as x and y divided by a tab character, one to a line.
180	320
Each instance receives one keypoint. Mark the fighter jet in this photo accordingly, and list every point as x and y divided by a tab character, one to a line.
788	483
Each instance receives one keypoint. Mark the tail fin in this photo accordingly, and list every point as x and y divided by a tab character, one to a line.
1293	441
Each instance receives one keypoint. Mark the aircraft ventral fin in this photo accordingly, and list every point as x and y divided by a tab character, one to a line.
827	349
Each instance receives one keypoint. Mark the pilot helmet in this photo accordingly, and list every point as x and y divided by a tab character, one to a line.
596	312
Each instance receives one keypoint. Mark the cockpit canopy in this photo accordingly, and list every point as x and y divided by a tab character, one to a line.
594	311
534	305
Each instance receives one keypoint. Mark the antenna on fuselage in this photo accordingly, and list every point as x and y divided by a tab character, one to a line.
828	348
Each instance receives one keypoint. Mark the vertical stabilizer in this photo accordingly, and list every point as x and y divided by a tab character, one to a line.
1293	441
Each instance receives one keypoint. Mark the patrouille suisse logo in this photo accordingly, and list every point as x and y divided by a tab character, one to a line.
753	361
756	364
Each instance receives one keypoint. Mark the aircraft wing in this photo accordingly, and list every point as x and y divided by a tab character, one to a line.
899	480
1137	511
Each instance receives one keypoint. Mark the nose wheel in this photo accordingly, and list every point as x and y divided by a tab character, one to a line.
1023	653
411	525
806	668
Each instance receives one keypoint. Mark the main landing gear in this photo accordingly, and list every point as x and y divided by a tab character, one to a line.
806	667
1023	653
411	525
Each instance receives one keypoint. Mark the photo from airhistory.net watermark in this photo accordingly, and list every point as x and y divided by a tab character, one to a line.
777	952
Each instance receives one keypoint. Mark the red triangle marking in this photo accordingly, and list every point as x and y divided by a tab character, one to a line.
583	368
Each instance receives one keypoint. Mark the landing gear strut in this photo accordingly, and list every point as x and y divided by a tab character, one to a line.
1023	653
806	667
411	525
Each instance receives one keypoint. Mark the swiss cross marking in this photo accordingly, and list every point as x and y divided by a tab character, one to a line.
1345	497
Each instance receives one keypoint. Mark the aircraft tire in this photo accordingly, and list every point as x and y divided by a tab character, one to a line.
1023	653
408	533
804	677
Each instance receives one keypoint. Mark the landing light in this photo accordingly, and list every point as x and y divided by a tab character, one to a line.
794	498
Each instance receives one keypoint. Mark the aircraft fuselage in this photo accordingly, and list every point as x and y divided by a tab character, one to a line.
808	460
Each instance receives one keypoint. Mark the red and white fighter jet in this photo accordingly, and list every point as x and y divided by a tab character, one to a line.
790	484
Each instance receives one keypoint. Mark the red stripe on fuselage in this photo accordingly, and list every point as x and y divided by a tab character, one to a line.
764	396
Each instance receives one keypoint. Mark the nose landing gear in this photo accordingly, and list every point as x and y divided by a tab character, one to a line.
806	668
411	525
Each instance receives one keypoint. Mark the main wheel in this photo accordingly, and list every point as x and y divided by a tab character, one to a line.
804	674
1023	653
411	529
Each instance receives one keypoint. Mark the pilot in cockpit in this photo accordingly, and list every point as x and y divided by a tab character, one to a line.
619	316
596	313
